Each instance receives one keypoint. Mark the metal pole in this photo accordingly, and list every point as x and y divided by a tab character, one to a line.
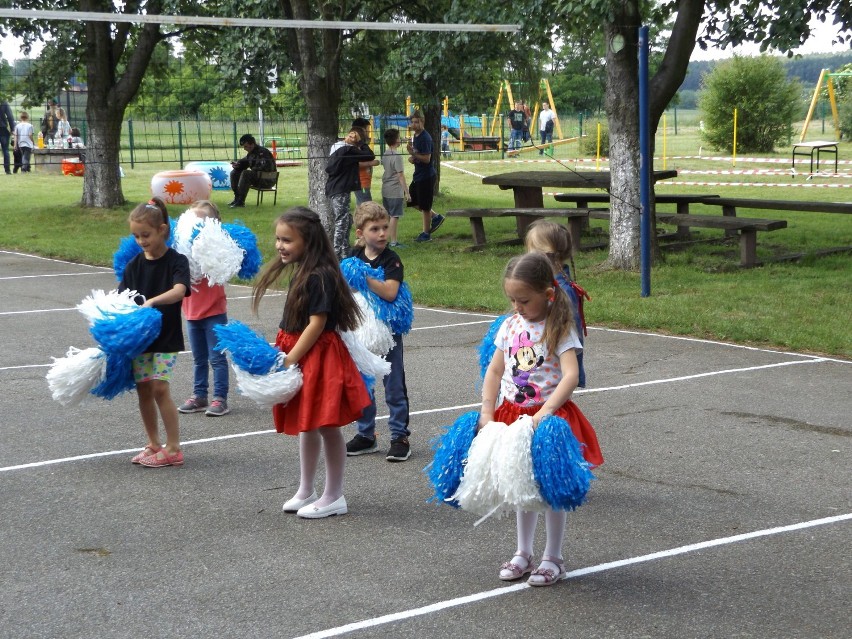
644	164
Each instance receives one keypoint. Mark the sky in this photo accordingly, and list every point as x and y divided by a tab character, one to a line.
819	42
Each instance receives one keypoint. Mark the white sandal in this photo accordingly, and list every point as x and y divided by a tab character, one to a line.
511	571
546	576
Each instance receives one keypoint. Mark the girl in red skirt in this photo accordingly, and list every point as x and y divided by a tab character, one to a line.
533	372
333	394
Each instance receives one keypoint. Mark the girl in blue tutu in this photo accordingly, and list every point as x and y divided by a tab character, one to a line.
160	275
533	372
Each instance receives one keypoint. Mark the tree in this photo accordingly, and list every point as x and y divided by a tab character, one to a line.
114	58
765	100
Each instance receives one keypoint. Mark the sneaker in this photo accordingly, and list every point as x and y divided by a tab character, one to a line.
237	205
437	220
194	404
396	245
423	237
360	445
218	407
399	450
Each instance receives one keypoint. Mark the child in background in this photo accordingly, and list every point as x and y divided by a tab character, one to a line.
534	371
161	275
63	129
394	188
445	141
365	169
24	141
371	229
333	393
554	240
206	308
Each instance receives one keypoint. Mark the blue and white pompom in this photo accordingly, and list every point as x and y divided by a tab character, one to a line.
72	378
246	240
563	475
247	349
128	249
370	365
127	334
399	314
487	347
477	491
512	466
376	336
451	449
117	379
270	389
218	256
186	229
100	305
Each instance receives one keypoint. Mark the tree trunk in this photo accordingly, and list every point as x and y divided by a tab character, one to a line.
101	181
622	99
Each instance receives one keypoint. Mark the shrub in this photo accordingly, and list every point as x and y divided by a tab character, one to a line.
589	143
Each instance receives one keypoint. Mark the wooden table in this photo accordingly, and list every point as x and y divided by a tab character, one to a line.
819	147
528	186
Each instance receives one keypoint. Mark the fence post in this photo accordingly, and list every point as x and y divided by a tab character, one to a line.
180	143
235	141
130	136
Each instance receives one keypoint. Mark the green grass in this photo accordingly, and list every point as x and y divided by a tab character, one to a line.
802	305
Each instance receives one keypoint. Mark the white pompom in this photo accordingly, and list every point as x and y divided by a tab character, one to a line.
271	389
477	491
512	467
95	306
369	364
184	231
218	256
374	334
72	377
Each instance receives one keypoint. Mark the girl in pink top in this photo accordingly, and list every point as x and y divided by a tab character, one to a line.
204	309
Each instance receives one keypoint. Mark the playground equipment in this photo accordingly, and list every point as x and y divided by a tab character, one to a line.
543	91
218	172
825	77
181	187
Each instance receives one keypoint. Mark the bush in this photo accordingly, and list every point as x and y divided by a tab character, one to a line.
765	100
589	143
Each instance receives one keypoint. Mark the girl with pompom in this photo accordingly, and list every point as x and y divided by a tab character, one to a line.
206	308
554	240
333	392
534	371
160	276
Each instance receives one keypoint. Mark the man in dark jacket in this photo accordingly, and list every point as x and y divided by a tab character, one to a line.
7	125
247	171
343	178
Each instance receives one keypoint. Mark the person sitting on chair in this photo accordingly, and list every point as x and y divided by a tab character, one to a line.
247	171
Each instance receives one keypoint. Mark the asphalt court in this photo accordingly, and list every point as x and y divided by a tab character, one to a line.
723	509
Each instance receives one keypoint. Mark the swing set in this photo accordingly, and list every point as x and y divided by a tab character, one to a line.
825	77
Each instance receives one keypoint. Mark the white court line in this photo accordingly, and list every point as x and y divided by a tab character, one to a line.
53	259
427	411
497	592
30	277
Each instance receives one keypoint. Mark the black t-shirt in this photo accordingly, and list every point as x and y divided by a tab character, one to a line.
154	277
321	299
387	259
518	119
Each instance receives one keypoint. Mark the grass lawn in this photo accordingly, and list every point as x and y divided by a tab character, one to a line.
802	305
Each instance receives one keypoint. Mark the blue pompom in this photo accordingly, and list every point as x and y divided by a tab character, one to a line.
246	240
399	314
248	350
445	471
118	378
127	334
127	250
560	470
486	346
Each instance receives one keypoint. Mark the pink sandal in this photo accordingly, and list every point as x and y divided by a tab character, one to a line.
162	458
146	452
511	571
547	576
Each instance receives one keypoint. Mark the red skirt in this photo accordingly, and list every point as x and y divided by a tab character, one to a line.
333	392
507	412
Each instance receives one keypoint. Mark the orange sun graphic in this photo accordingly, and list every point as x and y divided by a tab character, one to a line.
173	188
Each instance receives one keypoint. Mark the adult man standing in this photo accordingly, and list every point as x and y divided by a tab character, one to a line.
7	125
545	126
247	171
422	188
517	122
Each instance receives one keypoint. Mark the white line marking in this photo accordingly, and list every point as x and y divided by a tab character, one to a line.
497	592
41	310
29	277
51	259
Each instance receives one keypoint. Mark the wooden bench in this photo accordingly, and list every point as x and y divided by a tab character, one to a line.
524	218
747	228
730	204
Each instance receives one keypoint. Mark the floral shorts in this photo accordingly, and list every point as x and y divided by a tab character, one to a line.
150	366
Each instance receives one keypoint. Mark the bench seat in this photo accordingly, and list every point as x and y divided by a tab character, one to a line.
730	204
524	217
747	228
